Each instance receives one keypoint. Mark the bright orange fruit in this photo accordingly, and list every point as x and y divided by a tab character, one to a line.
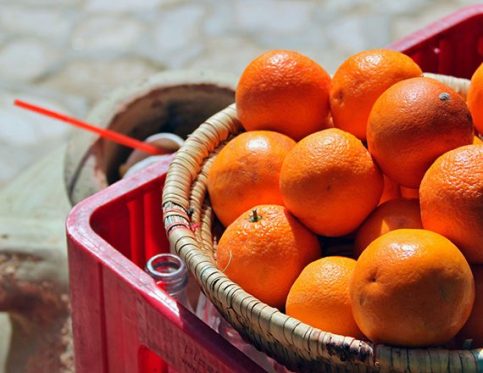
246	173
389	216
473	329
475	98
390	190
329	181
360	80
411	287
283	91
320	296
264	251
451	197
414	122
409	193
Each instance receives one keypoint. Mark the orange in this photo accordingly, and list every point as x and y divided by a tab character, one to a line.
246	172
411	287
264	251
451	197
389	216
320	296
409	193
360	80
390	190
414	122
473	329
283	91
474	98
329	181
477	140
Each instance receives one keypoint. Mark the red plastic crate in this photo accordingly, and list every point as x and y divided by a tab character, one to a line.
121	321
451	46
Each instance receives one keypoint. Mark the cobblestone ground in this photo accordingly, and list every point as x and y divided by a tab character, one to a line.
67	54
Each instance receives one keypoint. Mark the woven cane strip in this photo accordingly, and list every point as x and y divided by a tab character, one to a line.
458	84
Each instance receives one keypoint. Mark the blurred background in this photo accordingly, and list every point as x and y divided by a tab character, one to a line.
69	54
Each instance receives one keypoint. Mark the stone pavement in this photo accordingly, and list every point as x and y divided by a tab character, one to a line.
68	54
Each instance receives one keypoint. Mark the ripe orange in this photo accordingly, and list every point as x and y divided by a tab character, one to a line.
329	181
411	287
389	216
409	193
264	251
473	328
475	98
246	173
390	190
283	91
477	140
413	123
451	197
360	80
320	296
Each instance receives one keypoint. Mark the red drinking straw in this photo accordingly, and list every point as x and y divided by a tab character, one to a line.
103	132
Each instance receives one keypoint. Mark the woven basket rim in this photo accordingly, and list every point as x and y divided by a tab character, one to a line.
185	239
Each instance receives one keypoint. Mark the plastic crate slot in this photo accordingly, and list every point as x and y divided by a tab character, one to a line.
445	57
113	224
480	47
156	240
466	49
136	217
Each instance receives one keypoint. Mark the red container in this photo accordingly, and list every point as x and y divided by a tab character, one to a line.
121	321
451	46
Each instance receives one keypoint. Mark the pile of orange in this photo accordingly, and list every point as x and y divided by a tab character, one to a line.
378	156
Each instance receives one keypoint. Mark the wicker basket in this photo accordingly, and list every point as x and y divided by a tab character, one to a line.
188	220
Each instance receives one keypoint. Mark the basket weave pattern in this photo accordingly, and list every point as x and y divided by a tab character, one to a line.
188	220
